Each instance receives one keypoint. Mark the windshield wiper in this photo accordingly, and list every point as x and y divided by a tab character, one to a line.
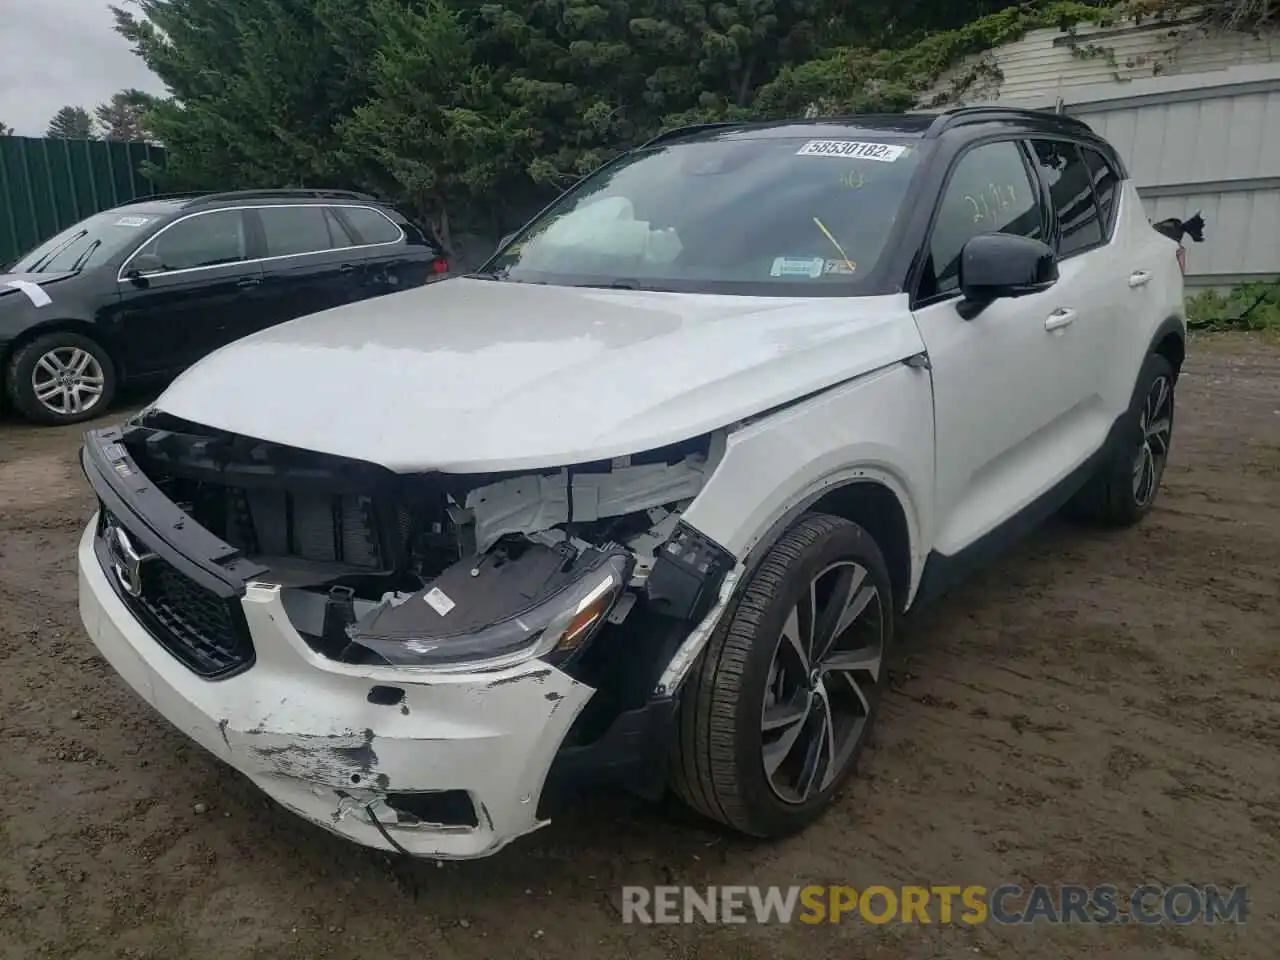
39	264
612	285
84	257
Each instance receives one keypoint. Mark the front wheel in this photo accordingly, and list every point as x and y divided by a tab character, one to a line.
774	717
1125	487
61	378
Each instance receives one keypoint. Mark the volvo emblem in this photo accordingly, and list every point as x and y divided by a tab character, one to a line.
126	560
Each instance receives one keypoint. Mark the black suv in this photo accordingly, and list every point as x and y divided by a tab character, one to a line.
144	290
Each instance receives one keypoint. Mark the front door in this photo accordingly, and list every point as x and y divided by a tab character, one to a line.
196	275
1004	419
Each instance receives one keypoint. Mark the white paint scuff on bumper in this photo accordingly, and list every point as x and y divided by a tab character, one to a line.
302	728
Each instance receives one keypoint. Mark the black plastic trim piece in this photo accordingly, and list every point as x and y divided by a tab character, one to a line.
157	521
632	754
943	572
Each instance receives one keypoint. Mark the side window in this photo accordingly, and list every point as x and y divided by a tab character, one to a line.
1106	184
206	240
989	192
293	230
370	225
1070	188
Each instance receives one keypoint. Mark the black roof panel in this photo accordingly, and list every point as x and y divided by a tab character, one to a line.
915	125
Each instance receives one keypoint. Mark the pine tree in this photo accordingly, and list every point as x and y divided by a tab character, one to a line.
71	123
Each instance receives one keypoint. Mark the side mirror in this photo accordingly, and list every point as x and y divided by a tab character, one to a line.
507	239
998	265
142	265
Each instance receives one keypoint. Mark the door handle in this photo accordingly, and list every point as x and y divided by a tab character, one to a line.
249	282
346	268
1139	278
1059	319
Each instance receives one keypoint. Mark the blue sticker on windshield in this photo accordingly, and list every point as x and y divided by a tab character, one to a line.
798	267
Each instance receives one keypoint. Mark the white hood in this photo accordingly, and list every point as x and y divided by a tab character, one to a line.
468	375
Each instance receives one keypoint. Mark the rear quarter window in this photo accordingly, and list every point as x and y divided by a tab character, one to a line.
370	225
1071	190
1106	184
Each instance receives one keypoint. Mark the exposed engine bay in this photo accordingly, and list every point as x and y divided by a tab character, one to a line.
451	571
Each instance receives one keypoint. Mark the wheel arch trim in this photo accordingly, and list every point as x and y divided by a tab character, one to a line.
678	668
1171	328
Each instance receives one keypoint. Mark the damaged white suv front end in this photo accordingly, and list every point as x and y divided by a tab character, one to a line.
427	720
423	566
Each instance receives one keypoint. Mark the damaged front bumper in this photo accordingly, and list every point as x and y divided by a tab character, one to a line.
447	763
448	766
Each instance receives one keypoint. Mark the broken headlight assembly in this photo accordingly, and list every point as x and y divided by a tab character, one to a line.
501	609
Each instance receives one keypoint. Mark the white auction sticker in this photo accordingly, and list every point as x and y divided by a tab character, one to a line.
852	150
439	601
133	221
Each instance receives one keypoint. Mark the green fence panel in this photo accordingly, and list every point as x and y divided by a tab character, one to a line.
46	185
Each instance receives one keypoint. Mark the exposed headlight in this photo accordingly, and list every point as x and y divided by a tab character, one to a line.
554	627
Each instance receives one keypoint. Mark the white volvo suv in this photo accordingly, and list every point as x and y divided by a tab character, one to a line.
641	501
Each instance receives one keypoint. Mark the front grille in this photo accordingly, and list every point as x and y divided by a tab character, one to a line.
203	631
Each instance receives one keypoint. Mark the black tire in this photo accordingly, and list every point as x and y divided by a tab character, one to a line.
22	365
1113	497
718	765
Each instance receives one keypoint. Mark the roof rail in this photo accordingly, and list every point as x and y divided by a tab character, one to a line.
959	116
281	194
187	195
686	130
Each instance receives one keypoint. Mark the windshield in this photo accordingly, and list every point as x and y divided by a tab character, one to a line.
89	243
764	216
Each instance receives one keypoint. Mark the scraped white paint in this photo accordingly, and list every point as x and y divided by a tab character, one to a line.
35	293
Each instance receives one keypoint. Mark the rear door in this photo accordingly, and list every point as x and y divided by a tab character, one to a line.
182	306
1003	427
311	264
1094	274
395	253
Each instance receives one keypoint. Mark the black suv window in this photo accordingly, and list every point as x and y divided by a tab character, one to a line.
205	240
989	192
293	230
370	225
1070	188
1106	184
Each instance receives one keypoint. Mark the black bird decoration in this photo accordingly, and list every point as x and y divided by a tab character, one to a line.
1176	229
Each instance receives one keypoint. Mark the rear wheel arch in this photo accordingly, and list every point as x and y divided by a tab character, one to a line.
1170	343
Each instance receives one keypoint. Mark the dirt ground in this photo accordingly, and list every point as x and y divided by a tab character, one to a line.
1096	708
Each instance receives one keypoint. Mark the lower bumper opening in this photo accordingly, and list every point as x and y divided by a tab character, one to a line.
441	808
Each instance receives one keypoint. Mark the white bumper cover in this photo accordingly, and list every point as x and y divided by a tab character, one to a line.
304	730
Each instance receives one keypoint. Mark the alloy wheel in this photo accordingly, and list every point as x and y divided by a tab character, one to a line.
823	682
1153	450
68	381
